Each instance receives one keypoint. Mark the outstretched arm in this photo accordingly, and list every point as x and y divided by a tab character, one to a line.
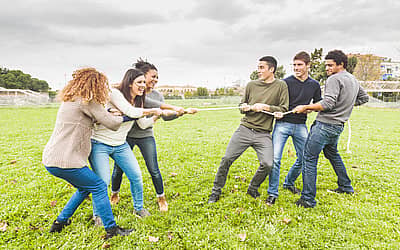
307	108
362	97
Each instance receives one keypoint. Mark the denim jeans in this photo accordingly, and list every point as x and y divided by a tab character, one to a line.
281	133
123	156
86	182
322	136
147	146
242	139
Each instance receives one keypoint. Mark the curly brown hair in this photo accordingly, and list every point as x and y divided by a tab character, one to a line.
88	84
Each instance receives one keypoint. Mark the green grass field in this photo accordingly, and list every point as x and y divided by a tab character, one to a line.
192	147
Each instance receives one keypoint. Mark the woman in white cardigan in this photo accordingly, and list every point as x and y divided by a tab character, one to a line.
128	97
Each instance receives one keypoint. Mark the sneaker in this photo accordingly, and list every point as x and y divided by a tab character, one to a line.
162	203
340	191
253	193
142	213
303	203
270	200
114	199
114	231
293	189
58	226
213	198
97	221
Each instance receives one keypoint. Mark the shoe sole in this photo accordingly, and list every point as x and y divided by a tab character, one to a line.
334	192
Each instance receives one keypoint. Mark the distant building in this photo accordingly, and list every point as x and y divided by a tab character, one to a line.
175	90
374	68
390	70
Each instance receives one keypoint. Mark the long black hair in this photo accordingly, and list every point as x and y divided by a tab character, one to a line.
126	85
144	65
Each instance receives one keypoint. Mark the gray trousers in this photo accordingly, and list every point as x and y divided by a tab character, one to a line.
242	139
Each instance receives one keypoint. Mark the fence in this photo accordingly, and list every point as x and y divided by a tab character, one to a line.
22	97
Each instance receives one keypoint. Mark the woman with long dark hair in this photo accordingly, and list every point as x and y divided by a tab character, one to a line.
144	138
128	97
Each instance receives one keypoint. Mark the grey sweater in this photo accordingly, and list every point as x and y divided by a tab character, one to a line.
154	97
342	93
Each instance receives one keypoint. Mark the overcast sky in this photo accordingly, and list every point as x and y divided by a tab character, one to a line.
203	43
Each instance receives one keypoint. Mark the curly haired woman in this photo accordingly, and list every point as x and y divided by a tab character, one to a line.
66	153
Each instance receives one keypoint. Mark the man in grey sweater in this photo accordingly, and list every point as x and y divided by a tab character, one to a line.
342	93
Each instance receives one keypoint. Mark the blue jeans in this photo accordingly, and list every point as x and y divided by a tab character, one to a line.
86	182
147	146
322	136
281	133
123	156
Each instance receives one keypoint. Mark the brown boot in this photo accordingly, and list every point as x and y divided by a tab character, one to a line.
162	203
114	198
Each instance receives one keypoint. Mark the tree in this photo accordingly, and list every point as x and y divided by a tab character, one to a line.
201	91
230	92
368	67
280	72
254	75
187	94
317	67
16	79
351	64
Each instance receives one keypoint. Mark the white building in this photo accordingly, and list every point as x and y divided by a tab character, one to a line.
390	70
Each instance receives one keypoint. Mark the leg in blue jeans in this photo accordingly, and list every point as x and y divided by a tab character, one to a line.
147	146
116	178
325	137
314	145
86	182
148	149
332	154
299	137
122	155
124	158
117	171
280	135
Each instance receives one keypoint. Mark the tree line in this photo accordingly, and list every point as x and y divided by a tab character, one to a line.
16	79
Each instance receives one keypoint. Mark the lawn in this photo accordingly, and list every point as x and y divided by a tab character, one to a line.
190	149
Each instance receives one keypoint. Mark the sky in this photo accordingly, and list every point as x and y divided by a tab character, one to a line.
209	43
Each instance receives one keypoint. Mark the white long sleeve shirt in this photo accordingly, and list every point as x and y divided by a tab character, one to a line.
117	138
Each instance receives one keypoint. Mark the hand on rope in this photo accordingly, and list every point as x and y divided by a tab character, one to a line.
278	115
300	109
179	110
259	107
168	112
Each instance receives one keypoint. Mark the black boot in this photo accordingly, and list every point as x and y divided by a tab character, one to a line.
253	193
111	232
58	226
